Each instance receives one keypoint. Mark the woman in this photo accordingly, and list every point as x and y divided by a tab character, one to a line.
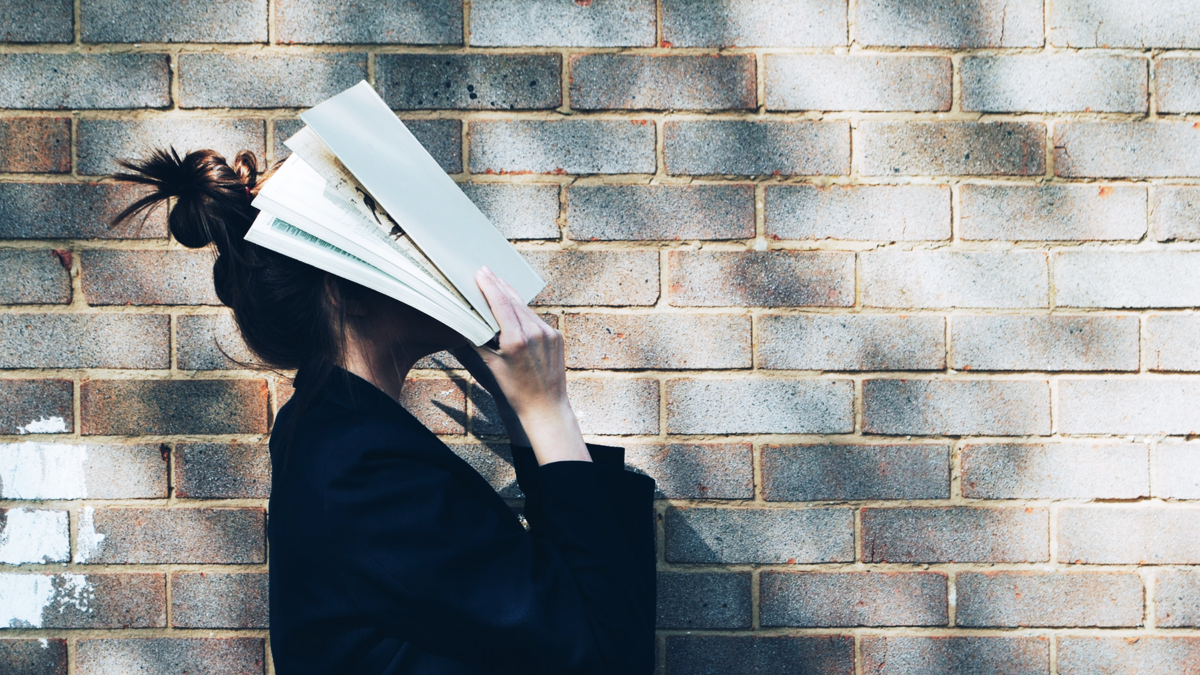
389	553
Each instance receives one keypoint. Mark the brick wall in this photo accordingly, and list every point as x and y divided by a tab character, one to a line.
894	298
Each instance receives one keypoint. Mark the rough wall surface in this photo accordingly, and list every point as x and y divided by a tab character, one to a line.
894	298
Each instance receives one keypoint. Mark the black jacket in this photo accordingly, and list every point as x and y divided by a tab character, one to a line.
391	554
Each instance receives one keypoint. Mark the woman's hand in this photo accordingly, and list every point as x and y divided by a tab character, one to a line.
471	360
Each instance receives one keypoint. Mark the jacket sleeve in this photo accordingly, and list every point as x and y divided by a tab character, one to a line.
526	466
427	556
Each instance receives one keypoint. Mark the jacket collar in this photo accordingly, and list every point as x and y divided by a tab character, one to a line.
350	391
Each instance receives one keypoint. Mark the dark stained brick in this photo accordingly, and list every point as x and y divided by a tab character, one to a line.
760	279
637	82
810	473
703	600
952	148
171	21
720	655
218	600
911	655
756	148
148	277
74	211
956	407
84	81
566	146
727	535
266	81
696	470
211	342
42	21
853	599
222	471
213	536
136	407
34	277
36	656
469	81
418	22
34	144
101	143
36	406
955	534
170	656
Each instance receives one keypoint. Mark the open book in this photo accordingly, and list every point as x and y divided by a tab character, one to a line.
360	197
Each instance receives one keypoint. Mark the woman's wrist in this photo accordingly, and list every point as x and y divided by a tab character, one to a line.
553	433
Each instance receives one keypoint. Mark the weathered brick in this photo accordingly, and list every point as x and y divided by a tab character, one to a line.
548	23
518	211
800	148
851	342
1116	406
1171	343
1176	212
85	341
639	82
162	656
1178	84
74	211
1055	471
955	534
1126	279
208	80
774	406
657	341
814	473
703	600
1177	598
34	277
421	22
46	21
35	656
1079	655
617	407
1052	212
952	148
102	142
493	461
868	83
1117	535
1048	343
808	599
210	342
84	601
138	407
440	404
935	279
940	655
222	471
793	23
1019	599
148	277
441	138
36	406
53	471
950	23
1126	149
1177	471
469	81
858	212
761	278
1055	83
578	146
660	212
217	600
1112	23
84	81
704	535
956	407
34	144
753	655
33	536
214	536
610	278
696	470
168	21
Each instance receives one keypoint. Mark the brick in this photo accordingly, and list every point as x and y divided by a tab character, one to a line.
660	212
955	534
74	211
1115	406
213	536
548	23
1055	471
1052	212
142	407
1115	535
656	341
493	461
774	406
84	601
35	144
222	471
952	148
167	21
793	23
956	407
1126	149
84	81
1177	84
469	81
85	341
1079	655
936	279
754	655
418	22
696	470
216	600
616	407
728	147
939	655
34	278
1177	471
807	599
162	656
703	600
441	138
40	656
950	23
577	146
1176	598
208	80
851	342
639	82
1121	279
33	536
49	21
101	142
1055	83
704	535
815	473
1176	213
36	407
858	212
1020	599
518	211
210	342
866	83
92	471
1045	343
609	278
1111	23
1170	346
761	278
440	404
117	277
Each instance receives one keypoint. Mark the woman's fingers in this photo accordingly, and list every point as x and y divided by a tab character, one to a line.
506	311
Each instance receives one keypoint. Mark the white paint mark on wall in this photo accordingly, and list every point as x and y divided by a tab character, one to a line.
27	597
89	539
34	536
44	425
42	471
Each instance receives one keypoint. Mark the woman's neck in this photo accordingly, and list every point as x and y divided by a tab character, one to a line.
381	366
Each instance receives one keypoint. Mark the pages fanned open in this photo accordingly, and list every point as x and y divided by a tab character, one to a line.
361	198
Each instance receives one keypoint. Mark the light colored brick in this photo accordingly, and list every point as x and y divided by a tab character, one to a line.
1045	343
755	655
853	599
1126	149
1055	83
616	407
46	21
86	471
101	142
137	407
1177	598
469	81
956	407
518	211
158	535
851	342
703	600
169	21
162	655
33	536
210	80
1178	84
760	279
740	23
1080	655
84	81
1019	599
735	147
1113	24
637	82
1116	406
210	342
696	470
950	23
1177	471
657	341
117	277
35	277
936	279
773	406
943	655
74	211
706	535
955	534
575	146
35	144
1120	279
952	148
866	83
609	278
548	23
660	212
83	601
1172	342
812	473
394	22
858	212
85	341
1176	213
1052	212
1055	471
217	600
1129	535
